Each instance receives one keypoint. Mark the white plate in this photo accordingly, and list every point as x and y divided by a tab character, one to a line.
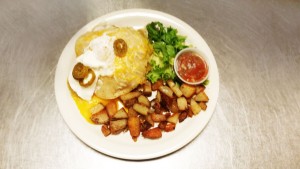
122	146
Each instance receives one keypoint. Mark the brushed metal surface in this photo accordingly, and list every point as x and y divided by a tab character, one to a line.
256	121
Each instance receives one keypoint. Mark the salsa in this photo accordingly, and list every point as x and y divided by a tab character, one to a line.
191	67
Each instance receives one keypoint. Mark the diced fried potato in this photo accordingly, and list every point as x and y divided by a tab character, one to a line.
158	97
195	107
105	130
153	133
173	107
158	117
201	97
121	114
97	108
117	126
166	90
100	117
134	127
130	95
162	125
112	108
149	120
200	88
147	88
144	100
182	103
132	112
187	90
156	85
182	116
173	118
175	88
130	102
170	127
190	112
203	105
141	109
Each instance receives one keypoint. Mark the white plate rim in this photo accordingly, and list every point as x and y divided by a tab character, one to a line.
108	146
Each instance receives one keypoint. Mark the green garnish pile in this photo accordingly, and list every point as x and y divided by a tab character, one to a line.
166	44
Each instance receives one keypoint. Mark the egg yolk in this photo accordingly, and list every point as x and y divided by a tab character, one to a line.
85	106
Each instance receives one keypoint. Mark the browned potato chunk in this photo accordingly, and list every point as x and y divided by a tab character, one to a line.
158	117
121	114
201	97
117	126
200	88
147	88
105	130
187	90
132	112
153	133
203	105
134	127
141	109
149	120
173	118
144	100
182	116
112	108
158	97
195	107
130	95
175	88
166	90
170	127
130	102
182	103
97	108
156	85
100	117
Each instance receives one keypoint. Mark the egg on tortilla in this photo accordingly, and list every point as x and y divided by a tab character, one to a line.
115	74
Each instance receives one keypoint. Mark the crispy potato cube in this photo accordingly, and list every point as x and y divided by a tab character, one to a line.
134	127
149	120
173	118
156	85
132	112
162	125
153	133
117	126
147	88
170	127
166	90
100	117
158	117
190	112
200	88
97	108
112	108
201	97
187	90
130	95
182	116
121	114
144	100
203	105
105	130
195	107
182	103
158	97
130	102
175	88
141	109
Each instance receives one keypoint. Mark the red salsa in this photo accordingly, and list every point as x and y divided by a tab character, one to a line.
191	67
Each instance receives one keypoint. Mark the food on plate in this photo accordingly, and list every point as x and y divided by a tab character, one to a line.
123	79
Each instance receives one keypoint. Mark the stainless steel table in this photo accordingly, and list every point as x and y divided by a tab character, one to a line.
256	122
